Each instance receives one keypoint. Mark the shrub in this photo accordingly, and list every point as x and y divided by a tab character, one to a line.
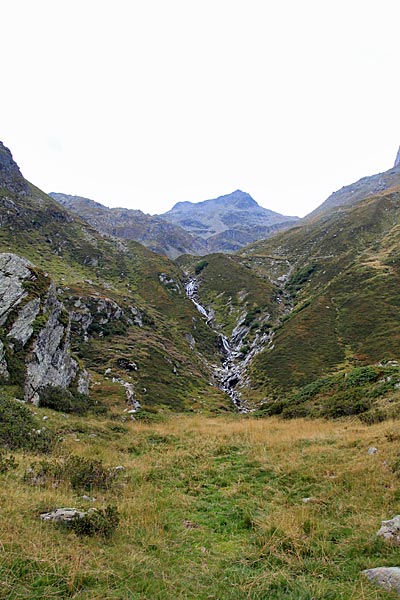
84	474
63	400
87	473
20	429
361	376
7	463
97	522
200	266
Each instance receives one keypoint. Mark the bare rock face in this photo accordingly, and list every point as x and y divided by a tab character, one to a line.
397	161
35	330
10	175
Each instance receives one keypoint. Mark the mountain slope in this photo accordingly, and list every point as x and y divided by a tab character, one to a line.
360	190
341	276
151	231
132	325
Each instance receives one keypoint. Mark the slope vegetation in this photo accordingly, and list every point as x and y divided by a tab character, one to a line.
132	326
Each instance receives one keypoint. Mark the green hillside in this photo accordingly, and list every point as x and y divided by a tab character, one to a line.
136	301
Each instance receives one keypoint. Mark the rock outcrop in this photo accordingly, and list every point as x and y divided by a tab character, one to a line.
35	331
386	577
10	175
397	161
390	530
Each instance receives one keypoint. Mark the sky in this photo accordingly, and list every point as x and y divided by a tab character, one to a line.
145	103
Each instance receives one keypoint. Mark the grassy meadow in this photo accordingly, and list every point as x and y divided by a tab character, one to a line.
210	508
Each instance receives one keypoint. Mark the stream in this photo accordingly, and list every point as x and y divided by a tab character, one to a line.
228	375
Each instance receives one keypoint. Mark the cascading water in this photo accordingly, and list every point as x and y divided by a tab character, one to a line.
228	374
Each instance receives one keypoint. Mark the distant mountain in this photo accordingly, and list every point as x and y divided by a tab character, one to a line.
228	222
224	224
151	231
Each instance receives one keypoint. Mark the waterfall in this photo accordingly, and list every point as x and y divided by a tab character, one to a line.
228	374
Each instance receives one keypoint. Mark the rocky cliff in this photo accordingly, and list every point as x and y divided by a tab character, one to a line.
10	175
35	331
224	224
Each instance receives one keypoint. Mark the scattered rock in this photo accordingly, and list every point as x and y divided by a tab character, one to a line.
190	524
65	516
390	530
386	577
372	450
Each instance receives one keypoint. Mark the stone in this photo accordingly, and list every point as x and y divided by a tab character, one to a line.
65	516
386	577
372	450
48	361
22	329
390	530
10	176
3	364
397	161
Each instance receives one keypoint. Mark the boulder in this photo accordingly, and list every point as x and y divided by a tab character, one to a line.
65	516
390	530
386	577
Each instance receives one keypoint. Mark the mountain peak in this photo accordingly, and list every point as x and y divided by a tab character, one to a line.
10	176
397	161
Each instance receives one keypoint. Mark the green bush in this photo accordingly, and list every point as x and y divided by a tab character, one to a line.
19	429
84	474
346	403
361	376
87	473
97	522
63	400
200	266
7	463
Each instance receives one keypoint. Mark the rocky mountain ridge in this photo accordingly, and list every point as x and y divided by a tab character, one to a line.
153	232
349	195
228	222
224	224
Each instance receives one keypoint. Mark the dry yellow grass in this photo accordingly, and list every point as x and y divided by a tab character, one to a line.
211	508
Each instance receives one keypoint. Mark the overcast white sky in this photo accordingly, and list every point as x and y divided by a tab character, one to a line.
143	103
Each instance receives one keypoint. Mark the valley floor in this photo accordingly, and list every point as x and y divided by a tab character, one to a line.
210	508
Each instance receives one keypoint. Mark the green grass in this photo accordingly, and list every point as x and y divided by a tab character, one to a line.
209	508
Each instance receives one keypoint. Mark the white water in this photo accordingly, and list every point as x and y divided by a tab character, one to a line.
228	374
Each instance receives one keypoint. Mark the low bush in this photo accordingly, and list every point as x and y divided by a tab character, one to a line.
63	400
19	429
83	474
202	264
101	522
7	463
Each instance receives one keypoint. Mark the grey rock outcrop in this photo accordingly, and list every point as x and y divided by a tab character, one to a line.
386	577
397	161
51	362
390	530
36	325
64	516
10	175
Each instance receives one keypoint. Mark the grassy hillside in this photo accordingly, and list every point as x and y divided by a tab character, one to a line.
342	279
102	274
223	508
